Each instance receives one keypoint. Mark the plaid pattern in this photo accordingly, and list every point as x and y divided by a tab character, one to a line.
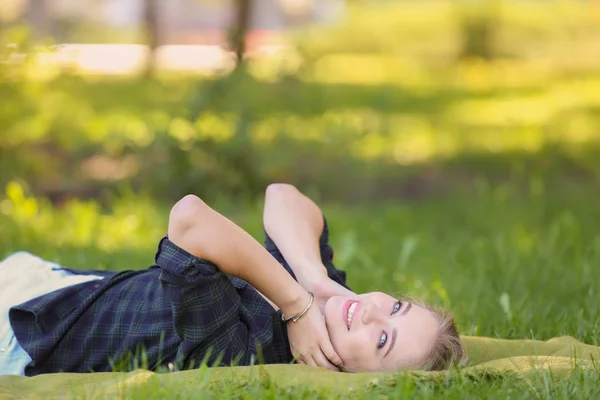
182	310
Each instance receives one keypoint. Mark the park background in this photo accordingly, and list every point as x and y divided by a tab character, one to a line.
454	146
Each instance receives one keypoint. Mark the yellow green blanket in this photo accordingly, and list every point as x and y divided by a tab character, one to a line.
489	357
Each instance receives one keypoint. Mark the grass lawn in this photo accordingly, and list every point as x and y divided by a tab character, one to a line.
512	262
468	183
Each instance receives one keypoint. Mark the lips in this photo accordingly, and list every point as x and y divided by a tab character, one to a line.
349	311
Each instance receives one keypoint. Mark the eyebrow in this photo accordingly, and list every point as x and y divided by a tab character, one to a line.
395	331
408	307
394	334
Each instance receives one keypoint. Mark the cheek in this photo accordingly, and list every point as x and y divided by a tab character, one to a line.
330	315
354	350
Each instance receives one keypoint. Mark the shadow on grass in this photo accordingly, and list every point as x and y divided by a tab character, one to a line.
347	180
259	98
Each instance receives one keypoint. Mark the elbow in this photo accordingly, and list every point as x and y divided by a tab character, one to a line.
185	213
276	190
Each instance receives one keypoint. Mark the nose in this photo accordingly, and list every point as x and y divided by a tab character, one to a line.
372	314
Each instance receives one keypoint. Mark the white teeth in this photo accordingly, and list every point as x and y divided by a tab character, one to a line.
351	313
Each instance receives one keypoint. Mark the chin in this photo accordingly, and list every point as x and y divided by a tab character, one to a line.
333	317
332	328
327	312
333	310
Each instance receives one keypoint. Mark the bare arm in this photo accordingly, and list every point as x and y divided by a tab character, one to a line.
295	223
204	233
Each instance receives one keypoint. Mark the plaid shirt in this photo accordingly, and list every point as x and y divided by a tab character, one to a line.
182	310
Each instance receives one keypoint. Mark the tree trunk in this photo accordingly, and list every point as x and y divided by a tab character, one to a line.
152	30
478	24
38	17
243	13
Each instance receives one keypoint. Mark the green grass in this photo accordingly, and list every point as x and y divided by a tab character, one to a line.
490	170
537	247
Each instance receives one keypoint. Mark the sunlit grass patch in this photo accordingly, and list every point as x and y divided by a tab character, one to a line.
29	223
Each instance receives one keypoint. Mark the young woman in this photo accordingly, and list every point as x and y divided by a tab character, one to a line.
216	296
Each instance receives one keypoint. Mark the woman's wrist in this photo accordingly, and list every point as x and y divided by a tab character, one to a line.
297	315
295	301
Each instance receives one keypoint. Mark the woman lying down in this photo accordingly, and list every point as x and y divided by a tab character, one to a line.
216	296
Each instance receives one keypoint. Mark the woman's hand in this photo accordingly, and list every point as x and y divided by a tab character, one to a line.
324	288
310	343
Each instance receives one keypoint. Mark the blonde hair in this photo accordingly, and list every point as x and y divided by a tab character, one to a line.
447	350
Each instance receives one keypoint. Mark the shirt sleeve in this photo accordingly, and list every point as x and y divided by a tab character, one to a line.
203	299
326	250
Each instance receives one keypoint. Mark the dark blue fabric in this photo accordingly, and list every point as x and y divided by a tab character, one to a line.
182	310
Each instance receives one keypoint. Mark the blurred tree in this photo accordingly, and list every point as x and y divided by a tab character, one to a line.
237	38
153	33
38	16
478	25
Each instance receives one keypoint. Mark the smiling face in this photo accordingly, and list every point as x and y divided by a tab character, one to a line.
376	332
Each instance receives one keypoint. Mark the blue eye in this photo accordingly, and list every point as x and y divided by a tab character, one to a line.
382	340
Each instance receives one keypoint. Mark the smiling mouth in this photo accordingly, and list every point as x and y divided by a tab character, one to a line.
350	315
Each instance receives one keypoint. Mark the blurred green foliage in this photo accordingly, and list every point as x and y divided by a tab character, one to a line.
438	31
494	104
400	99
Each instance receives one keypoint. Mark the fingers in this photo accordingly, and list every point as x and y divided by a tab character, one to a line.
316	360
330	353
311	361
323	362
310	343
306	360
